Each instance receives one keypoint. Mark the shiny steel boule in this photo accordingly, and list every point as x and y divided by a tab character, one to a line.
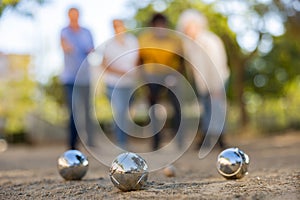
129	171
72	165
233	163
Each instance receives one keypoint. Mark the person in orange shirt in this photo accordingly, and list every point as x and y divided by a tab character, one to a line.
160	51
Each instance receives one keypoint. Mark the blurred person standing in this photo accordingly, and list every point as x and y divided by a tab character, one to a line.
211	71
160	51
120	58
77	43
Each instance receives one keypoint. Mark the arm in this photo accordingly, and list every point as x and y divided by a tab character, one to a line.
66	46
110	69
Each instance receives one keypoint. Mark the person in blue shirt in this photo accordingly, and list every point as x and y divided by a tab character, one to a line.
77	43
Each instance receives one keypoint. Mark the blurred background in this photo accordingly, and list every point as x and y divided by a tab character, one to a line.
262	39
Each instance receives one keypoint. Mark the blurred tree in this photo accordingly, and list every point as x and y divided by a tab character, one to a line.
266	59
24	7
17	90
267	75
55	90
7	3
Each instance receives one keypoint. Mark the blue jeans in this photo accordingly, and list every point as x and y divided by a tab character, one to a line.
120	109
78	102
207	114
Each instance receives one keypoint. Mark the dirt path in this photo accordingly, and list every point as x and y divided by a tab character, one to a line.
274	173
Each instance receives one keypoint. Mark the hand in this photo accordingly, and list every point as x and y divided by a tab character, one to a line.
67	47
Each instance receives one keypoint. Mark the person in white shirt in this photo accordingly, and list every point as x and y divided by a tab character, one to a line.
119	61
206	52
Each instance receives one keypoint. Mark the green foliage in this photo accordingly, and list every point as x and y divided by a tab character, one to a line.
51	105
48	109
21	97
173	9
102	106
269	74
54	90
7	3
276	114
17	101
103	109
14	4
292	102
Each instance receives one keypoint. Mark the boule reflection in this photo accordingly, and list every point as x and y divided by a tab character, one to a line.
72	165
233	163
129	171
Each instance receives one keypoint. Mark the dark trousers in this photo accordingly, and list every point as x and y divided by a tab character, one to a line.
72	140
154	92
78	102
208	103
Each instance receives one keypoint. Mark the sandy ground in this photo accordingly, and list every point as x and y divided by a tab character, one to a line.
29	172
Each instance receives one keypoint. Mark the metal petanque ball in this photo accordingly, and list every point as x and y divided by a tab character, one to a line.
233	163
129	171
72	165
